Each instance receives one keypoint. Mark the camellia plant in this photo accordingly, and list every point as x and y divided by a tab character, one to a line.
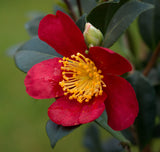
69	59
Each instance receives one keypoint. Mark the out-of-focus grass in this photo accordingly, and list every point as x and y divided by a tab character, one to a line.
23	119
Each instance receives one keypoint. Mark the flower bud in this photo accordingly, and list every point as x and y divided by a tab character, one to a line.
92	36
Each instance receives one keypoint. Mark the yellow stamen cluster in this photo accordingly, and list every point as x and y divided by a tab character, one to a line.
81	79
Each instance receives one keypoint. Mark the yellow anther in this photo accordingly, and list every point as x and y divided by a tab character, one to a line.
99	71
70	97
78	72
104	85
81	79
90	74
102	76
64	89
100	92
88	70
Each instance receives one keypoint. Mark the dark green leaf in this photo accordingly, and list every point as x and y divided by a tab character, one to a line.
88	5
25	59
157	88
93	142
102	121
129	135
101	15
158	106
145	121
56	132
33	52
154	76
32	26
92	139
112	145
123	17
156	133
73	2
157	21
81	23
149	23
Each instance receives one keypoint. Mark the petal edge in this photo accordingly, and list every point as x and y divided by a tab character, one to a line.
121	105
60	32
67	112
109	61
42	80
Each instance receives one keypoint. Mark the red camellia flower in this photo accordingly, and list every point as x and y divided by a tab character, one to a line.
84	84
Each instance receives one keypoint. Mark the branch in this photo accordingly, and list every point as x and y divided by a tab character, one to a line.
147	148
72	13
152	61
126	147
79	7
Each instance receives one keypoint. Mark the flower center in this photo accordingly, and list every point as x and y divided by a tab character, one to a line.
81	79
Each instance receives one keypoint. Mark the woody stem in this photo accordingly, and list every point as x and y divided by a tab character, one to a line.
152	61
72	13
79	7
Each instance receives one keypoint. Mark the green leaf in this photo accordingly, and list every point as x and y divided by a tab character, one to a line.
56	132
156	133
13	49
129	135
32	26
92	139
33	52
81	23
149	23
145	121
154	76
157	88
101	15
112	145
88	5
123	17
102	121
93	143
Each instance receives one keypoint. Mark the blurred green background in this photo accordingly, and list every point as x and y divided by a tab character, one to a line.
22	118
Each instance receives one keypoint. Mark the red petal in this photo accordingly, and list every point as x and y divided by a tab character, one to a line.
121	104
60	32
70	112
109	61
42	80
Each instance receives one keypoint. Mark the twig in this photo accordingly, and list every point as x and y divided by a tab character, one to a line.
79	7
147	148
126	147
152	61
72	13
134	134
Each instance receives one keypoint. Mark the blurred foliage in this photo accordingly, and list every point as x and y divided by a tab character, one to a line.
149	23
